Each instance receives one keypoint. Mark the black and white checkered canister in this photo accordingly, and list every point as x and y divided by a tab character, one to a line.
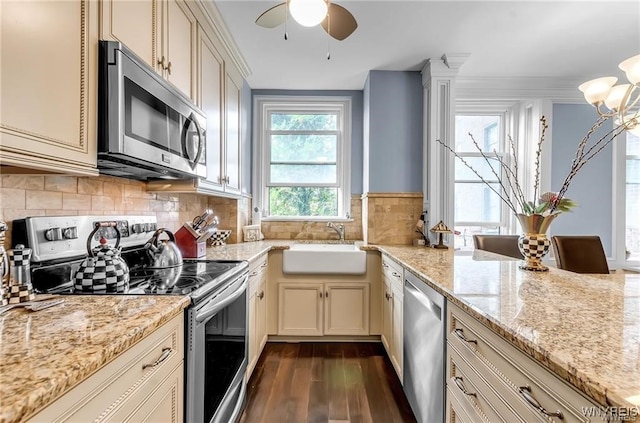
20	288
106	272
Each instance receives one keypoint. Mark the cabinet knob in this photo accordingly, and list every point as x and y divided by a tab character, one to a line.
161	63
261	295
169	67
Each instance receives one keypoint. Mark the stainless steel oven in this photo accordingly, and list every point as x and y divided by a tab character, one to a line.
217	355
146	127
215	322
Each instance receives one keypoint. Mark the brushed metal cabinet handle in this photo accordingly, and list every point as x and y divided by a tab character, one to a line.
525	391
458	380
166	352
460	333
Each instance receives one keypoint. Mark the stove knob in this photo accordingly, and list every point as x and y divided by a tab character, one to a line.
70	233
137	228
152	227
53	234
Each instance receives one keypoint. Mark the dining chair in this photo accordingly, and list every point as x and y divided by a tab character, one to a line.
507	245
580	253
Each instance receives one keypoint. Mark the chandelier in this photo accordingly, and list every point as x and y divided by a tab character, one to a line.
618	101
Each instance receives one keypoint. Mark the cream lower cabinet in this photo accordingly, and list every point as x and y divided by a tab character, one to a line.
392	311
143	384
316	309
160	32
257	310
49	81
489	380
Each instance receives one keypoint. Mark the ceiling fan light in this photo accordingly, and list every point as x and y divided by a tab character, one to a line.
308	12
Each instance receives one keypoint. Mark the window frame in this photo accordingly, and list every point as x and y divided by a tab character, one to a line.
504	154
264	107
620	157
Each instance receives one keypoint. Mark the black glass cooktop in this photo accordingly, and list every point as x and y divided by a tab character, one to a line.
186	279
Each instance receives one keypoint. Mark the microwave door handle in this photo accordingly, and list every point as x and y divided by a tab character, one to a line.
186	133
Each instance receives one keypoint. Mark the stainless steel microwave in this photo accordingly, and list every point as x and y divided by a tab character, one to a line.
147	129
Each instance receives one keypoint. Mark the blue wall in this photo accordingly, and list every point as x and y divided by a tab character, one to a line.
356	126
394	115
591	188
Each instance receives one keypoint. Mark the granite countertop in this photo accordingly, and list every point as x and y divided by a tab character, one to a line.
583	328
46	353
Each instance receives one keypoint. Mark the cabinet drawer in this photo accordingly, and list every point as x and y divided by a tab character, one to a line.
133	374
525	385
459	410
392	271
461	375
257	269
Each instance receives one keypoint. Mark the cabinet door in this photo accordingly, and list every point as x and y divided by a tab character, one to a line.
253	340
180	36
346	309
300	309
261	313
49	74
163	404
135	24
210	97
387	317
232	142
398	350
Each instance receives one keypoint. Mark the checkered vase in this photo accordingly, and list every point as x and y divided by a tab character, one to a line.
534	243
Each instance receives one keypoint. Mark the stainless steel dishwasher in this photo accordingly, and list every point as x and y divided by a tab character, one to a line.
423	375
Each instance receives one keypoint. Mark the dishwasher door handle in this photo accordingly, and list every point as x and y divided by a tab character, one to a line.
423	299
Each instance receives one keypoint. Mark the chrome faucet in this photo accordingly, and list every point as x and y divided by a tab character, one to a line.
339	229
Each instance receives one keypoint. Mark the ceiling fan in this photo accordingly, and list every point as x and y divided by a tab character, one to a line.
337	21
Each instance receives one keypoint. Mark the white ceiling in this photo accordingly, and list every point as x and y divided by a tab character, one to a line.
559	39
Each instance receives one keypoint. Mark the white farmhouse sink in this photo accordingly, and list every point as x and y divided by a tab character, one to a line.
343	259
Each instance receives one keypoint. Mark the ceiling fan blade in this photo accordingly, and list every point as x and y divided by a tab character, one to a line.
273	17
341	21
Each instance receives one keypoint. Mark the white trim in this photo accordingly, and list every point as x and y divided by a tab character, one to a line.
618	192
262	105
557	89
216	22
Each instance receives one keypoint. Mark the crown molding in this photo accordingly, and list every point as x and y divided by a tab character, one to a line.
558	90
222	32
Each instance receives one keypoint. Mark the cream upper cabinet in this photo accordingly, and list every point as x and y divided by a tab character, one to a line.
161	32
49	74
210	99
232	140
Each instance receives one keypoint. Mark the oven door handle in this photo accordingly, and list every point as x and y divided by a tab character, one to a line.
213	307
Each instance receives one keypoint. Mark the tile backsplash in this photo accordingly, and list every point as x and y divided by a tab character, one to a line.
47	195
377	218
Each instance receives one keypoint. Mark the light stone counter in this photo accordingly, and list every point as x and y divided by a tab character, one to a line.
44	354
584	328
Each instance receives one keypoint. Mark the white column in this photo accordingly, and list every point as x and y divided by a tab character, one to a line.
438	79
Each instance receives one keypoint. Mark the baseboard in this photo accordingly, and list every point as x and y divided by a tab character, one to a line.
298	339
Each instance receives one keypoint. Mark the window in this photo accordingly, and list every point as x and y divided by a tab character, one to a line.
303	148
478	209
632	198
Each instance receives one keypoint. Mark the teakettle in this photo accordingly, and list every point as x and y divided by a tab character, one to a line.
164	253
103	270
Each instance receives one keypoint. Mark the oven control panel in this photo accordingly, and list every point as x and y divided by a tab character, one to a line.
60	237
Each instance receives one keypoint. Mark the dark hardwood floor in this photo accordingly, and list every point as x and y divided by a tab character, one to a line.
325	382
